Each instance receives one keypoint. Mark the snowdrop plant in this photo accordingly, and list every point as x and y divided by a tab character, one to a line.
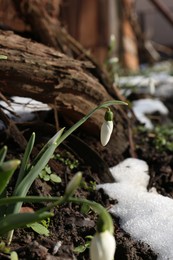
10	216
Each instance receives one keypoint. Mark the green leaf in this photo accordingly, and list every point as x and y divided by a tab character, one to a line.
13	255
85	209
48	169
46	177
55	178
6	171
3	153
80	249
17	220
40	163
39	228
53	140
3	248
25	159
24	186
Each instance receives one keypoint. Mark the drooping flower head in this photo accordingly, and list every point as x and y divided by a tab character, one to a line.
103	246
107	127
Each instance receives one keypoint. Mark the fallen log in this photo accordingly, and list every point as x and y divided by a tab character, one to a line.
42	73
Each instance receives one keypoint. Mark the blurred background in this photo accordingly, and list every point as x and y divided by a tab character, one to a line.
142	29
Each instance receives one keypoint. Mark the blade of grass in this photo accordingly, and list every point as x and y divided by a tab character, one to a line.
54	139
6	171
25	159
17	220
41	161
39	164
26	183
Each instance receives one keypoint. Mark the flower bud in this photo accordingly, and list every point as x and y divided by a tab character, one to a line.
73	184
106	128
103	246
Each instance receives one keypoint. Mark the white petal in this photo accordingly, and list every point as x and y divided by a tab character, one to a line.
106	131
103	246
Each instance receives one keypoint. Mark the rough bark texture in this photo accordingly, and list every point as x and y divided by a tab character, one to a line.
49	31
36	71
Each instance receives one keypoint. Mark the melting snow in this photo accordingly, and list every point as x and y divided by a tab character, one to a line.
24	108
146	215
145	106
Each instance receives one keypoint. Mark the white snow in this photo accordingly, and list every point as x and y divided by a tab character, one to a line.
146	215
145	106
24	108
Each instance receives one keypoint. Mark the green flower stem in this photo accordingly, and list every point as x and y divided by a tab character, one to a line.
57	201
3	153
99	209
85	118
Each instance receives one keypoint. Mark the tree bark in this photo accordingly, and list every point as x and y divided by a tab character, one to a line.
37	71
49	31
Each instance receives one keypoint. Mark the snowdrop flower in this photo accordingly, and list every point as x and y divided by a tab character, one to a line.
103	246
106	128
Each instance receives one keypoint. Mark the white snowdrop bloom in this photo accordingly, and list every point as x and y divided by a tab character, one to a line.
106	128
106	131
103	246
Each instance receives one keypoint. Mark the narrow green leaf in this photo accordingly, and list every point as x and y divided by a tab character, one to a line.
17	220
25	184
6	171
3	153
53	140
25	159
36	199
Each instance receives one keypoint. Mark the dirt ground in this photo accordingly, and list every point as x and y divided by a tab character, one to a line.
69	227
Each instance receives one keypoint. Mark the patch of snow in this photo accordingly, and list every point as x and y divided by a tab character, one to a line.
146	215
24	108
142	107
158	82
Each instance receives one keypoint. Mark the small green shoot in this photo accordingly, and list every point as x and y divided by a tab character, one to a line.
67	160
47	175
161	137
89	187
39	228
3	248
13	256
80	249
7	170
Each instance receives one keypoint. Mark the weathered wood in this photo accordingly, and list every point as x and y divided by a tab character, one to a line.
37	71
49	31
